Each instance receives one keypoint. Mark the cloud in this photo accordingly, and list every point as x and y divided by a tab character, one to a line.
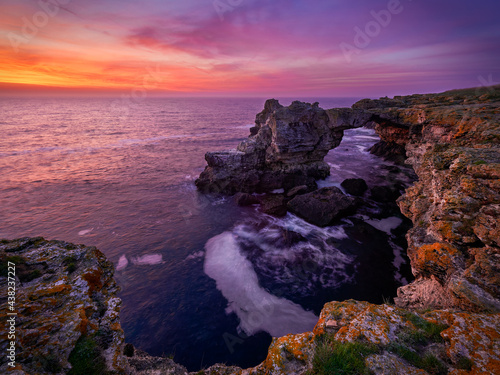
261	45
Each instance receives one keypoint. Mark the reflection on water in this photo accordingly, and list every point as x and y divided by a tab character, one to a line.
194	270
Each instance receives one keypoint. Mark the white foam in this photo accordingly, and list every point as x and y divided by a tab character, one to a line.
122	263
385	225
257	309
398	262
85	232
328	183
296	224
196	255
149	259
367	137
278	191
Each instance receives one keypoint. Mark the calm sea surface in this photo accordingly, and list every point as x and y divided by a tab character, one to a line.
202	279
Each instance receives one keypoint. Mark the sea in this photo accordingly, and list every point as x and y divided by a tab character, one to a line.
202	280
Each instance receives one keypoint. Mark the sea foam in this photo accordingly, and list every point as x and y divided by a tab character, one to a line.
257	309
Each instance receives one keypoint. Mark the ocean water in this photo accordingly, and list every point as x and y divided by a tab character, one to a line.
202	279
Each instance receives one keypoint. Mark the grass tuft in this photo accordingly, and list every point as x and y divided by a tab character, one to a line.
86	358
334	357
464	363
426	331
428	362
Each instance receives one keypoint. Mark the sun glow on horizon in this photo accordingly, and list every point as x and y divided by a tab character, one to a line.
255	48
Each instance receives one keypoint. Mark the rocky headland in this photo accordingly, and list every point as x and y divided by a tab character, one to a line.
446	321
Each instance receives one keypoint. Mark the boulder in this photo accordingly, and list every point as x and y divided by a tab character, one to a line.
354	186
384	193
245	199
298	190
274	204
323	206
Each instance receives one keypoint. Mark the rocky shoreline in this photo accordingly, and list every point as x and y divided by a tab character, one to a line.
446	321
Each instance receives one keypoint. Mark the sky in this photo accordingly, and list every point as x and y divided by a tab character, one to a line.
329	48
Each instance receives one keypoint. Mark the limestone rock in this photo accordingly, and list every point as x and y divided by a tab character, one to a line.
390	364
245	199
274	204
286	149
452	141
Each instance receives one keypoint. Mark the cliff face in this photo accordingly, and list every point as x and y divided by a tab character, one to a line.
452	141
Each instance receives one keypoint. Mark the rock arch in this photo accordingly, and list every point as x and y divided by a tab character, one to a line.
286	149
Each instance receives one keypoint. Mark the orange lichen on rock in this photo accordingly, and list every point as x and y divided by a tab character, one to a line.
438	259
50	291
341	312
473	336
93	278
378	324
287	355
55	310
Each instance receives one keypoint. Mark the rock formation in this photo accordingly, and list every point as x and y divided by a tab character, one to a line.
323	206
286	149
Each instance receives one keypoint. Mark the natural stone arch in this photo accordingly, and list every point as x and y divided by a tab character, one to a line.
286	149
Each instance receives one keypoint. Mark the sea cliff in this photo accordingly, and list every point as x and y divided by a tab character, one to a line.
446	321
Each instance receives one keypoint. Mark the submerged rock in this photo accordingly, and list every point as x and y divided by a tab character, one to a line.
245	199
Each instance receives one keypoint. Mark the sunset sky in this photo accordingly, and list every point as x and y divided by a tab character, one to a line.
247	47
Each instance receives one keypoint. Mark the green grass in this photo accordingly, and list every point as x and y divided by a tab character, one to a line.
479	162
426	331
464	363
427	362
70	263
334	357
86	358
